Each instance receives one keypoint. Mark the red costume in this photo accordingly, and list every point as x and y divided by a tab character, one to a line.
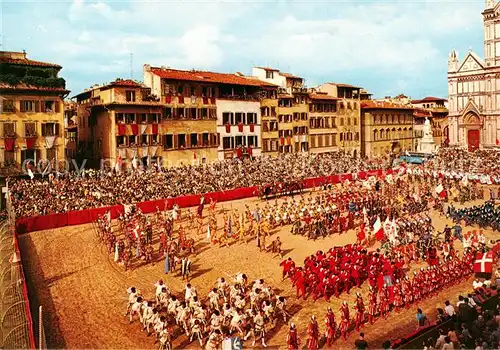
372	308
292	339
361	233
360	312
331	327
345	320
313	333
384	302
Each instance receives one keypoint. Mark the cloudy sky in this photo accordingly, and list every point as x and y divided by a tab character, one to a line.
388	47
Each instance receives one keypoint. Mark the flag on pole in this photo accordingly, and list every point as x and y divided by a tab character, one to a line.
439	189
229	227
378	230
465	181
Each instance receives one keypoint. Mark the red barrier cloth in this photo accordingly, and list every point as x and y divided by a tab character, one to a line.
9	143
212	100
181	99
252	127
37	223
135	129
228	128
240	127
154	129
168	99
205	100
30	142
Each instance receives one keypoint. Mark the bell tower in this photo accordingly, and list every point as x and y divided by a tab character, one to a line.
491	34
453	61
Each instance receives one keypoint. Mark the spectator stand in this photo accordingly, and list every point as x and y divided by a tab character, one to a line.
415	339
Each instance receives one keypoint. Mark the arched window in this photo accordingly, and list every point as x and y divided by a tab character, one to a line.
382	134
375	135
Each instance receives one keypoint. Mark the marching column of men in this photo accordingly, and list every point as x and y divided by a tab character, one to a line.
392	296
235	308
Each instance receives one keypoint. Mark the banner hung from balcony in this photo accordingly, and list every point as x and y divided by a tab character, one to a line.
49	141
10	143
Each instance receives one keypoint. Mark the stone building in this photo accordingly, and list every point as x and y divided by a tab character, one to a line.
386	128
474	89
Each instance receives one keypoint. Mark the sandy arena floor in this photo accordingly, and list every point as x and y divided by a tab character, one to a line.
83	292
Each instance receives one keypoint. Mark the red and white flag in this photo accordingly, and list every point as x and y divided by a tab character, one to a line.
483	263
378	230
439	189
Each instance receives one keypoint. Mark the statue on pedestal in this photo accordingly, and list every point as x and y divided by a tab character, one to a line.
427	130
426	144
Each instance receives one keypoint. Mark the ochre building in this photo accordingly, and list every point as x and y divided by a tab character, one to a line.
119	124
291	121
32	113
348	111
386	128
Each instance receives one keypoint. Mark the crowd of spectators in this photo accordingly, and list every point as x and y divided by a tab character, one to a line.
96	188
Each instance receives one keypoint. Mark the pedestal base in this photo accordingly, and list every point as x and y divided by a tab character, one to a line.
427	147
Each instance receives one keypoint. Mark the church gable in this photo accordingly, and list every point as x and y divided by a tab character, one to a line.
471	63
496	9
471	114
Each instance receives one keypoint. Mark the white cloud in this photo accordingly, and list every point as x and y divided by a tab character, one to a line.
317	39
200	48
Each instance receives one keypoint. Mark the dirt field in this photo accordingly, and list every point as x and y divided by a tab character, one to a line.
83	292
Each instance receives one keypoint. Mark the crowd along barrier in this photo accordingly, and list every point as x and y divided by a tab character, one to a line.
78	217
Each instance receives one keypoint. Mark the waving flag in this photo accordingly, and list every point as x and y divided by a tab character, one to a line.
484	263
378	229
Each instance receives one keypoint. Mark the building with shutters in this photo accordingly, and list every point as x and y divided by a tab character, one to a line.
119	123
223	108
32	112
323	119
474	89
348	111
286	119
386	128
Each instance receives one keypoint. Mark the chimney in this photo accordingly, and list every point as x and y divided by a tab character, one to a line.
25	54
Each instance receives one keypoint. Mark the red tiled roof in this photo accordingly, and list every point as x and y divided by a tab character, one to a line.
345	85
208	77
27	62
288	75
269	69
383	105
125	83
419	112
24	87
429	99
322	97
